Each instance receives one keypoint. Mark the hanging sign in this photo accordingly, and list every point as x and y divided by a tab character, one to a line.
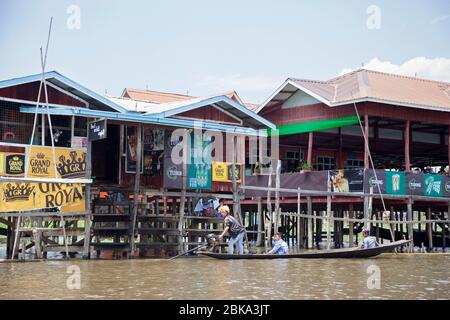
20	196
97	130
70	163
223	171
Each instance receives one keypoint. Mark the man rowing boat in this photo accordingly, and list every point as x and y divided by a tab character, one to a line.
234	229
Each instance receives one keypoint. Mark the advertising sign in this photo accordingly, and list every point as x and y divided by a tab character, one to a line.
347	180
414	184
432	185
223	171
131	153
12	164
377	182
395	182
70	163
200	168
19	196
97	130
173	173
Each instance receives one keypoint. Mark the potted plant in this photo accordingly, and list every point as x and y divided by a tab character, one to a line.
306	167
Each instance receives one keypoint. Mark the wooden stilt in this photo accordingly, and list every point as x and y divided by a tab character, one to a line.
350	225
429	231
259	237
328	215
136	185
310	222
299	223
410	225
277	196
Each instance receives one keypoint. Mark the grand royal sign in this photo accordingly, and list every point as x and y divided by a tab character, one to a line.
70	163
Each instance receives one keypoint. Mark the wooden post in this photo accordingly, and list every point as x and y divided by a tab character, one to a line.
121	144
448	156
410	225
407	143
87	217
350	225
366	141
310	147
429	227
136	185
328	214
310	222
37	243
277	196
443	231
236	198
259	237
269	208
186	155
299	224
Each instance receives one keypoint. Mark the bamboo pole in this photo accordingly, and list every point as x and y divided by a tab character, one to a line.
269	208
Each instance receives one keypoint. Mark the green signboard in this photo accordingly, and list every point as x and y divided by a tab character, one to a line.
432	185
200	169
395	182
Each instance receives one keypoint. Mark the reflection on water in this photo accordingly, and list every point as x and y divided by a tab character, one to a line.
402	277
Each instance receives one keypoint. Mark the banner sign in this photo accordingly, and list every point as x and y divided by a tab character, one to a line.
347	180
375	180
223	172
200	169
131	154
414	184
432	185
97	130
446	186
395	182
173	173
20	196
153	147
12	164
70	163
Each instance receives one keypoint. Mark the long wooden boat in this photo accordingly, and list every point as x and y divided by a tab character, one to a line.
316	254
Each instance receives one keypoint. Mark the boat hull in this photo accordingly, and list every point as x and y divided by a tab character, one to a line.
318	254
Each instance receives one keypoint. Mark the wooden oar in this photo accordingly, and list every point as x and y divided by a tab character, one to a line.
196	248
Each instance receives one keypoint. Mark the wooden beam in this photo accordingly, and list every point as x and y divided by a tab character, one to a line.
310	147
407	143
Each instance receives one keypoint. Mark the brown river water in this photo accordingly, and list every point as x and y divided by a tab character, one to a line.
401	277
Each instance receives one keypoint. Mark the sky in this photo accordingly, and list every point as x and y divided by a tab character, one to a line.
202	47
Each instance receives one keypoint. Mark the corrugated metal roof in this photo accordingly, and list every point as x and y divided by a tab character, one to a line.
153	96
368	85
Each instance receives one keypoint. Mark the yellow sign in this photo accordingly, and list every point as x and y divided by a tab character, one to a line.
222	171
70	163
21	196
12	164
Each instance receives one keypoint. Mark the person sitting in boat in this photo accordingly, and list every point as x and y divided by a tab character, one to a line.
234	229
279	245
368	241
